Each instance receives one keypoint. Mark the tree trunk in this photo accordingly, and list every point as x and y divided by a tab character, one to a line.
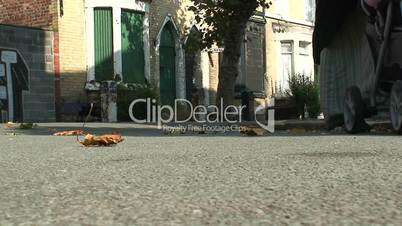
229	66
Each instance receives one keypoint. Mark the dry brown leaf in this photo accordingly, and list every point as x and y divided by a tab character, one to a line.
28	126
380	129
69	133
52	130
11	125
11	134
298	130
104	140
25	126
253	131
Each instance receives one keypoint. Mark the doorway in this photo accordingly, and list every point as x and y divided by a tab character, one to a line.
167	55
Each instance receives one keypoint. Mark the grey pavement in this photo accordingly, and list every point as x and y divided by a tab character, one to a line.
154	179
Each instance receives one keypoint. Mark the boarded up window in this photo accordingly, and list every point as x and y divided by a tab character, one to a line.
104	69
132	46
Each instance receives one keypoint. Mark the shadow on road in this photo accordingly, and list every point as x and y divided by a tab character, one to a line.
335	154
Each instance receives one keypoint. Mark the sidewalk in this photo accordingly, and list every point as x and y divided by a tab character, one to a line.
317	125
132	129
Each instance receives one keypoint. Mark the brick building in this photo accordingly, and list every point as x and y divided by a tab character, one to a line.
39	14
30	38
138	41
68	64
98	40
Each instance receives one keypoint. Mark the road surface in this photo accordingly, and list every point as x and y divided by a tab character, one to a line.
153	179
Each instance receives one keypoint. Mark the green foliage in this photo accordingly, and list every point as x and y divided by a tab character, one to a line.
219	18
127	93
193	41
223	23
305	92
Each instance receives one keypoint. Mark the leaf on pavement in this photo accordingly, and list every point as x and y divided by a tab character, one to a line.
52	130
11	134
11	125
28	126
69	133
253	131
104	140
298	130
381	129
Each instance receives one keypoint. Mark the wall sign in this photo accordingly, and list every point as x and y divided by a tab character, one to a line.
2	70
216	50
9	57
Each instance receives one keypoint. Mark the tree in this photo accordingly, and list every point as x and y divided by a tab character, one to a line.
224	23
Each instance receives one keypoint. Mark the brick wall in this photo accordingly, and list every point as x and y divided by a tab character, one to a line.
158	12
36	47
35	14
30	13
72	51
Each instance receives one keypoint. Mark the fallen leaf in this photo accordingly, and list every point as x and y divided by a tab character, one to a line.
28	126
380	129
69	133
10	125
298	130
104	140
252	131
52	130
11	134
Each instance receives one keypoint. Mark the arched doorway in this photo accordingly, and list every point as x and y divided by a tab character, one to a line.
167	56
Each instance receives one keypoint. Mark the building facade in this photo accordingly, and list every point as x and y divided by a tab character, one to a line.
132	41
289	32
144	42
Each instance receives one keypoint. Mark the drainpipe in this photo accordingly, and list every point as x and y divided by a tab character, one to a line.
59	8
57	86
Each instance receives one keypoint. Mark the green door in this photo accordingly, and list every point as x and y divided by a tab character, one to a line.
167	66
132	41
104	68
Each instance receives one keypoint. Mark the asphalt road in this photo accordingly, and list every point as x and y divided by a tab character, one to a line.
151	179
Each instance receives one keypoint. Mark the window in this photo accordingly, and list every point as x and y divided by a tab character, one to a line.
287	65
132	46
310	10
305	58
304	48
